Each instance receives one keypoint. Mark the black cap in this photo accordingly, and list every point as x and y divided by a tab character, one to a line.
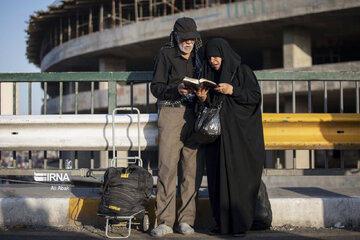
186	28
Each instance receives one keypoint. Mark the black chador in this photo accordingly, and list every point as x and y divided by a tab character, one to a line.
234	161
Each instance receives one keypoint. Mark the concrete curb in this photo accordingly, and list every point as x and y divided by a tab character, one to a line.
316	212
301	207
33	211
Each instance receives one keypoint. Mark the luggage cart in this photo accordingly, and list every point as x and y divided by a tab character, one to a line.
144	223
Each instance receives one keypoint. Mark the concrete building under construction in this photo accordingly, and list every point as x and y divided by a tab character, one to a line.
82	35
114	35
125	35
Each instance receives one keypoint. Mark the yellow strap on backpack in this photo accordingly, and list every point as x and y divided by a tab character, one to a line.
114	208
124	175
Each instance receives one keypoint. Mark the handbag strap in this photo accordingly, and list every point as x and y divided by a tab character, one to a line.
233	75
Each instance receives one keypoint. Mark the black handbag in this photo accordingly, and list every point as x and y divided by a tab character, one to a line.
263	212
207	125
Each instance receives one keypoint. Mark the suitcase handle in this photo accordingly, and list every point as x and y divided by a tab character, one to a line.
128	109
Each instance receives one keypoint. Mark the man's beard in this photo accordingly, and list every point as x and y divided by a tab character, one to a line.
182	47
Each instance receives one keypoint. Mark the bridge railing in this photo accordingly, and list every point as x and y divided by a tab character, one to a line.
285	126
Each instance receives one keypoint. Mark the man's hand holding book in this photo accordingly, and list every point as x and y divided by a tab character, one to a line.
198	86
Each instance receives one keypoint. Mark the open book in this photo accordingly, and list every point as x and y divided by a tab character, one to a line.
195	83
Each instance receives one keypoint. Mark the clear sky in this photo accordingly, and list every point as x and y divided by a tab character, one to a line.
14	15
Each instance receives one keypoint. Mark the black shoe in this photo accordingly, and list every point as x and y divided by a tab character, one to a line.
215	230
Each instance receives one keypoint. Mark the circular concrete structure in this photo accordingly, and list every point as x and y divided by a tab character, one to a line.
61	40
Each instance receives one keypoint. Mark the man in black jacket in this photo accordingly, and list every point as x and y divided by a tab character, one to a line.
178	58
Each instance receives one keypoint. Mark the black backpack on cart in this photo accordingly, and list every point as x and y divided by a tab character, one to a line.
125	191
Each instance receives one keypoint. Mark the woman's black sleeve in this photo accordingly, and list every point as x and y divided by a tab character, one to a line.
248	91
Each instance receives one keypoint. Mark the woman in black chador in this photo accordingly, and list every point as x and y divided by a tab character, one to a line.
234	161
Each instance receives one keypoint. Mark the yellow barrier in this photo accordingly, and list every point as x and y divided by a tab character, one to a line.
83	210
311	131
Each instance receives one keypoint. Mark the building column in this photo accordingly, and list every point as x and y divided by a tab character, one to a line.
6	98
296	48
7	105
110	64
296	54
301	156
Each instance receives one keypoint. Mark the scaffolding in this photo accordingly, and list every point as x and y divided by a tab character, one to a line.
71	19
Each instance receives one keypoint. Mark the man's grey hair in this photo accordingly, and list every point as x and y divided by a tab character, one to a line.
197	45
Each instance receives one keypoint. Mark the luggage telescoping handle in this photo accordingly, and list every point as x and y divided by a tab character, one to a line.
129	109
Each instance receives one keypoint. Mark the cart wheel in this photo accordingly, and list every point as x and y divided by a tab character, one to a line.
145	223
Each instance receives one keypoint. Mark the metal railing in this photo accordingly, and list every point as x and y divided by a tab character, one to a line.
278	88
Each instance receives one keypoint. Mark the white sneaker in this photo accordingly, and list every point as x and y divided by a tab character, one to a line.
185	228
161	230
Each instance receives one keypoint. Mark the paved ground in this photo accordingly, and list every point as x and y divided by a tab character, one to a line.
89	232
